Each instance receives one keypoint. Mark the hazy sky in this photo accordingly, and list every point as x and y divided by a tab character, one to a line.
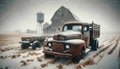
21	14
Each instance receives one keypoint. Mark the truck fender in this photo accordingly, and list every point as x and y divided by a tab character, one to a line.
36	44
82	46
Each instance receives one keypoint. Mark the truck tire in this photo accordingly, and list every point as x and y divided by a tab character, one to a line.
82	53
46	55
76	59
94	44
24	45
35	45
97	44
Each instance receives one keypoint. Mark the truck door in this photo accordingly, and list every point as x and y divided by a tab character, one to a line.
86	35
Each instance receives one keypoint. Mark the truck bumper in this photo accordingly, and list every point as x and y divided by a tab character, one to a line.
56	54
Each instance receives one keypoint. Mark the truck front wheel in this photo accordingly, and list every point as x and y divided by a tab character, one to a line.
46	55
76	59
82	53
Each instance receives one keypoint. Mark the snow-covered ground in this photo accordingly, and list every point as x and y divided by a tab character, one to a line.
106	57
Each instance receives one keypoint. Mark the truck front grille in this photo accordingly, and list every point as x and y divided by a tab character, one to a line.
58	47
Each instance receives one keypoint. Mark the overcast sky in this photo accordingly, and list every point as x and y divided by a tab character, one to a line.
21	14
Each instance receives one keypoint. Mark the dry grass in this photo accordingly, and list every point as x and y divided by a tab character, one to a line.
110	52
3	57
59	66
32	53
49	62
24	62
40	59
42	56
6	39
79	66
89	61
44	65
4	49
15	56
69	62
52	61
30	60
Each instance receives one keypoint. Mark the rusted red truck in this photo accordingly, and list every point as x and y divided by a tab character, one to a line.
75	40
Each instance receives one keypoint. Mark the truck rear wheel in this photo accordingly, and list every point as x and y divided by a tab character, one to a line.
94	44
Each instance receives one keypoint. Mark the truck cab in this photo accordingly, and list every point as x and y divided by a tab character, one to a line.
73	41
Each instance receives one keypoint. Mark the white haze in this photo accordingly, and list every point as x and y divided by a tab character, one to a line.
21	15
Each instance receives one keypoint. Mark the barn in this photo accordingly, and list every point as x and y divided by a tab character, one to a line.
61	16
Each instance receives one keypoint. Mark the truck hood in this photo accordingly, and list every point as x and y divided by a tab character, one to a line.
69	32
67	35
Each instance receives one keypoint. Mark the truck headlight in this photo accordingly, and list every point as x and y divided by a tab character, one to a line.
49	44
67	46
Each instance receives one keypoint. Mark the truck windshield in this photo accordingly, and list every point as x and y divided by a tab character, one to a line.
74	27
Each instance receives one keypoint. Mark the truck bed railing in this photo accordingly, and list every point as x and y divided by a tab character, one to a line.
94	30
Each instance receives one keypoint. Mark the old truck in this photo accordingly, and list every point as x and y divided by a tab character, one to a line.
75	40
34	42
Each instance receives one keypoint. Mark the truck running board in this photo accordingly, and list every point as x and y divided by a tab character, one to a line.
87	50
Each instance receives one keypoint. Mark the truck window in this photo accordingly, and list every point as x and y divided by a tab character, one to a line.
85	28
77	28
74	27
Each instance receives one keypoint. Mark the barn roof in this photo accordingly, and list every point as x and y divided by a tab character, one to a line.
64	8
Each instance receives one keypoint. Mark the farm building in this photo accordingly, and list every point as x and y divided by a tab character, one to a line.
61	16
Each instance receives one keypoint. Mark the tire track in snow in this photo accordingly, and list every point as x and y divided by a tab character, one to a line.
116	44
101	53
111	42
111	51
102	50
90	60
101	46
